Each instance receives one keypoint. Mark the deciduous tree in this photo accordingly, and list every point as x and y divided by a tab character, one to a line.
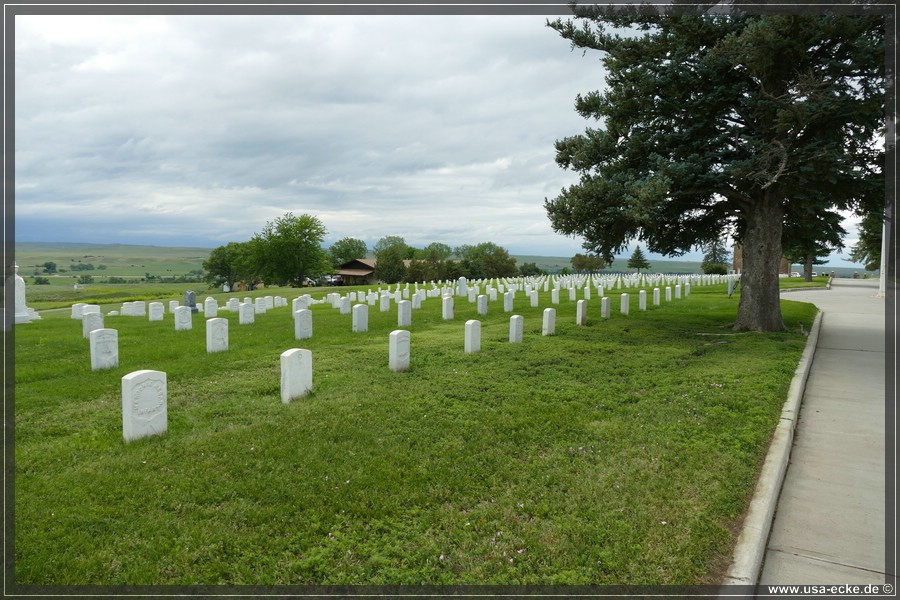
346	249
289	249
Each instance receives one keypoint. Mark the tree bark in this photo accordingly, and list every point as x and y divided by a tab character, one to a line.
760	305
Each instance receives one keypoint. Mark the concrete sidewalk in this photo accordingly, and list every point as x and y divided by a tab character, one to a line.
829	525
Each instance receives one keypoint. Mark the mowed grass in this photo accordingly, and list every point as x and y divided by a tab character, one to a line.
621	452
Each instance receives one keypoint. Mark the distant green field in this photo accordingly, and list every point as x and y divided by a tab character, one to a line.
117	260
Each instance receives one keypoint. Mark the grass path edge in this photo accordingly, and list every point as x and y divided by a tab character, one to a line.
750	547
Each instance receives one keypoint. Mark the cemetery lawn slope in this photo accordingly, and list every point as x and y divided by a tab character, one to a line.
620	452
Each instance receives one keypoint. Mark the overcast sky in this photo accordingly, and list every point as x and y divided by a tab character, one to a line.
197	130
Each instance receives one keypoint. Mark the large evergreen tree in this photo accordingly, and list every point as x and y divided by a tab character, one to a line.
638	260
722	122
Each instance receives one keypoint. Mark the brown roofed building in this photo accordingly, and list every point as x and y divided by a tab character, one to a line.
359	271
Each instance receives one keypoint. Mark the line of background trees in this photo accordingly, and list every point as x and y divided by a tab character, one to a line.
289	250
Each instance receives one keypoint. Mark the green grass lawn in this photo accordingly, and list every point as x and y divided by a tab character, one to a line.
621	452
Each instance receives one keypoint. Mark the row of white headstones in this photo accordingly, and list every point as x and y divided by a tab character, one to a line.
144	392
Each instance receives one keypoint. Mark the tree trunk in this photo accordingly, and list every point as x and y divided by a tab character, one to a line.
807	267
760	304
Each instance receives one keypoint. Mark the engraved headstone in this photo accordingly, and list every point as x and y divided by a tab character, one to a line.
296	374
604	307
624	304
398	351
385	303
345	305
104	349
183	320
216	335
210	308
77	309
246	313
173	304
259	306
190	300
90	322
144	404
157	310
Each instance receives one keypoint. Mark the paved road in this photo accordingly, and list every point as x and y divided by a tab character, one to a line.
829	525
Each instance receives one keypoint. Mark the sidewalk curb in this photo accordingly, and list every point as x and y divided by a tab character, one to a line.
750	548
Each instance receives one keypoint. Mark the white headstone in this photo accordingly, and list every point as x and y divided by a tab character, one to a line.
508	301
173	304
23	314
668	294
587	292
90	308
77	310
144	404
462	287
642	300
270	302
303	325
299	303
554	296
398	351
296	374
90	322
473	336
677	291
548	327
345	305
216	335
360	318
246	314
655	296
447	307
581	312
157	311
104	349
482	304
604	307
183	318
516	327
404	313
385	303
259	306
624	304
534	299
210	308
572	294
